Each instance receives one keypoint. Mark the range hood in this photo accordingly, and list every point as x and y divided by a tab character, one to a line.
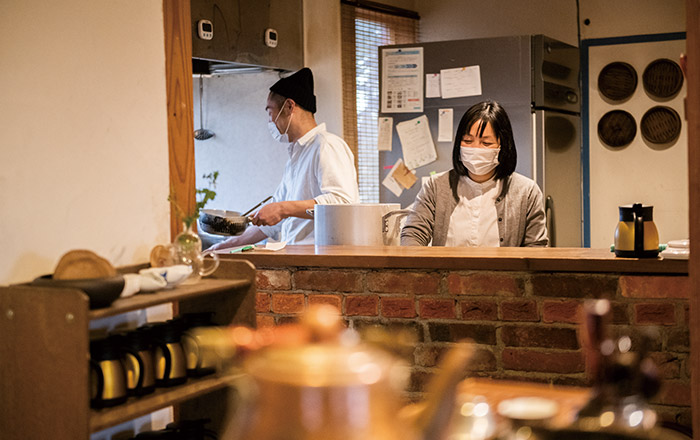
245	35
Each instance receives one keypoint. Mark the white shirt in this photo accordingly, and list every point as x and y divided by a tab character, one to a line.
320	167
474	222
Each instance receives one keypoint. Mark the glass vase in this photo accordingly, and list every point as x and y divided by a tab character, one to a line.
187	248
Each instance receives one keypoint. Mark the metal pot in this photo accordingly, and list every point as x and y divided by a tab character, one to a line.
317	380
360	224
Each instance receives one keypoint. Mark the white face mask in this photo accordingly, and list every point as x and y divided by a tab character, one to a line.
479	161
275	132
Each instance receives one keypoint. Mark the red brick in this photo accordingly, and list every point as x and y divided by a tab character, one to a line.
574	285
273	280
398	307
655	313
328	280
361	305
331	300
483	360
619	313
479	310
525	310
485	283
677	415
427	355
562	311
283	320
634	286
437	308
479	333
287	303
262	302
673	393
417	283
669	365
679	340
538	336
547	362
264	321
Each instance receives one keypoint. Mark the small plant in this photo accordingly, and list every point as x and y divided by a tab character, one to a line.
203	196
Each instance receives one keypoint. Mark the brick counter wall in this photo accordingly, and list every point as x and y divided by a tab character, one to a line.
526	324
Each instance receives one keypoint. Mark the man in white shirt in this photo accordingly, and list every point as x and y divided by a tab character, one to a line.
320	169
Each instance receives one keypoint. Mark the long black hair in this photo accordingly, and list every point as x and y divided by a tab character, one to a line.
483	112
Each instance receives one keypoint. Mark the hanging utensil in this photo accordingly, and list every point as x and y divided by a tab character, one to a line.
202	134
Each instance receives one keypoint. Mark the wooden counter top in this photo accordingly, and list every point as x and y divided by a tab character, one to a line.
450	258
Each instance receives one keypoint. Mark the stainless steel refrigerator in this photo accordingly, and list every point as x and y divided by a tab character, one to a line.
536	79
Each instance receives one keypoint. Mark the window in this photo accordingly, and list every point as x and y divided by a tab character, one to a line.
366	26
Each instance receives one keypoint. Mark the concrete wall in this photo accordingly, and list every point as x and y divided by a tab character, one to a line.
84	156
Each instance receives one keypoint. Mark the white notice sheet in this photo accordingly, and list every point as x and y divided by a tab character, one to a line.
432	85
445	119
384	128
462	81
402	80
416	142
390	183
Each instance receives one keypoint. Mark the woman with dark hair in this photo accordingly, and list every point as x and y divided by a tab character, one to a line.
482	201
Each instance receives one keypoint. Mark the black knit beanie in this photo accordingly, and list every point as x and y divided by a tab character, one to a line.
299	87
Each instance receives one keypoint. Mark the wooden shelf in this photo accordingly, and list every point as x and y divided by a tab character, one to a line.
45	353
138	406
143	300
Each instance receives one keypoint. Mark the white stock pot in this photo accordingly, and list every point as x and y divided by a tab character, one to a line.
359	224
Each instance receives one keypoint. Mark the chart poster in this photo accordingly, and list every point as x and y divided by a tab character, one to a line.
402	80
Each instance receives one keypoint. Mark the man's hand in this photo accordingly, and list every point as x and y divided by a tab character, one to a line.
270	214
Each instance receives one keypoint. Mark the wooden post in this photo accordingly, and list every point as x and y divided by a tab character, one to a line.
178	80
692	107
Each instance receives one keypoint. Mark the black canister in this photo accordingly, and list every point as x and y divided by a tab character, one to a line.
107	374
140	366
169	358
198	363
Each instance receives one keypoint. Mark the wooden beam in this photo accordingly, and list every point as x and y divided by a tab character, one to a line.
692	107
178	81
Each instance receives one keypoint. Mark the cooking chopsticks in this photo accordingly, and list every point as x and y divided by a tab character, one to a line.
253	208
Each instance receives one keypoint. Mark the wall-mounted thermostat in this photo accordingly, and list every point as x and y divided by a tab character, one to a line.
270	37
205	29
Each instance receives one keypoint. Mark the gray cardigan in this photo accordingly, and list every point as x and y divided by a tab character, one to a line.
521	218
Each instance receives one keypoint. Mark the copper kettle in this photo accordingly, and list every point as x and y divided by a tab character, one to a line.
317	380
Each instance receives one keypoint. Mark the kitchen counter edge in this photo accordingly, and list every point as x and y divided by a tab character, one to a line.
500	259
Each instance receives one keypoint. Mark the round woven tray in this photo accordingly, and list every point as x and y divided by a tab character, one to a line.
617	128
662	78
617	81
660	125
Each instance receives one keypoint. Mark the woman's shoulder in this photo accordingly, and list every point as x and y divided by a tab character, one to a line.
517	183
521	181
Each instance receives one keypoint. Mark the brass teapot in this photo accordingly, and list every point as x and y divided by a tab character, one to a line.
317	380
636	235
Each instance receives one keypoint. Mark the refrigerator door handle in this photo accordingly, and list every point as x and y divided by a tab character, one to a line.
549	219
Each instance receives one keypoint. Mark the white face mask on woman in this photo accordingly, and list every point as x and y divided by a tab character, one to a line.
275	132
479	161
